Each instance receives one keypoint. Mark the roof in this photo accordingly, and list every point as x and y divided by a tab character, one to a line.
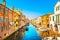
47	14
6	7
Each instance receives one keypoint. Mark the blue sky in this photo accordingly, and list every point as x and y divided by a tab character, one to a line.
32	8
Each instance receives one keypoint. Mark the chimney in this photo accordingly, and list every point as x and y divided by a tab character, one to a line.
4	2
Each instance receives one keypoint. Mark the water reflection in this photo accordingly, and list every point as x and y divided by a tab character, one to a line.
31	34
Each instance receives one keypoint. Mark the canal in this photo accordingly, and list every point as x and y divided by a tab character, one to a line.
31	33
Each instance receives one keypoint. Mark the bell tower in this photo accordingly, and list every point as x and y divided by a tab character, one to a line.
4	2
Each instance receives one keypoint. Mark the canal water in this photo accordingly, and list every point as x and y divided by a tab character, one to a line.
31	34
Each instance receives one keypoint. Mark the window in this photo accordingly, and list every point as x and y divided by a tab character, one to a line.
56	28
6	11
0	19
17	20
53	18
16	25
1	29
57	8
6	20
58	19
1	9
48	25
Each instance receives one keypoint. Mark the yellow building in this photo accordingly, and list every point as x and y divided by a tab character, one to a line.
16	19
45	20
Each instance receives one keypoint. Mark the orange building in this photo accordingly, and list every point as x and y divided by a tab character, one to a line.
7	21
45	20
6	17
1	21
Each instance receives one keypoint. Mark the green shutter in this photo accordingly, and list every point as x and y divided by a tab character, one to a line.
56	19
59	19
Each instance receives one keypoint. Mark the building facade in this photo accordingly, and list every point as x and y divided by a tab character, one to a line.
52	23
16	19
57	15
6	18
45	20
55	18
11	22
